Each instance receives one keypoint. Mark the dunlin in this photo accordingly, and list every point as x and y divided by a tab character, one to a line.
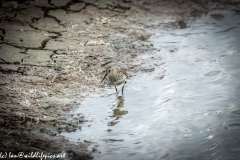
115	76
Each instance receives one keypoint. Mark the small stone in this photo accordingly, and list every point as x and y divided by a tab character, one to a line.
16	62
81	120
182	24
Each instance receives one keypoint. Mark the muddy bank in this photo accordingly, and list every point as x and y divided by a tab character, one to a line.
53	54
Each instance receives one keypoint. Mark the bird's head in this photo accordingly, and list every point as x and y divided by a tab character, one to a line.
108	70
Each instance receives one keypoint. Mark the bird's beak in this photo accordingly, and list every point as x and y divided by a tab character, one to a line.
104	77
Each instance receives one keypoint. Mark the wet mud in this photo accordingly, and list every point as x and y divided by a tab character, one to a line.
53	55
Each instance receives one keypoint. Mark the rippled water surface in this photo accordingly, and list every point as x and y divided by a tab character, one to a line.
187	108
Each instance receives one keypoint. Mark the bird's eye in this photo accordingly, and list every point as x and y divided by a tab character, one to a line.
109	70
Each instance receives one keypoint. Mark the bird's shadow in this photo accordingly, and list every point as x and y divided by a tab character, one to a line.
118	111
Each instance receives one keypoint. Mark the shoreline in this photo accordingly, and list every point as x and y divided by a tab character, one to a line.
53	55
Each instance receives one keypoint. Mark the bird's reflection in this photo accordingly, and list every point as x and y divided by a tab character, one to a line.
118	111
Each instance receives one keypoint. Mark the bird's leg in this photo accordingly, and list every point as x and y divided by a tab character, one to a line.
116	90
123	86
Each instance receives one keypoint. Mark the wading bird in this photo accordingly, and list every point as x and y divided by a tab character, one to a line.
115	76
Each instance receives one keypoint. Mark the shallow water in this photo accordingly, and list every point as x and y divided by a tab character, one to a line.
187	108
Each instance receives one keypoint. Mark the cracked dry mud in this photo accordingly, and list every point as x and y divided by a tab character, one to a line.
53	54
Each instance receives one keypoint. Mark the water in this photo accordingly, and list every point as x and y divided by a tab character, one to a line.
188	108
